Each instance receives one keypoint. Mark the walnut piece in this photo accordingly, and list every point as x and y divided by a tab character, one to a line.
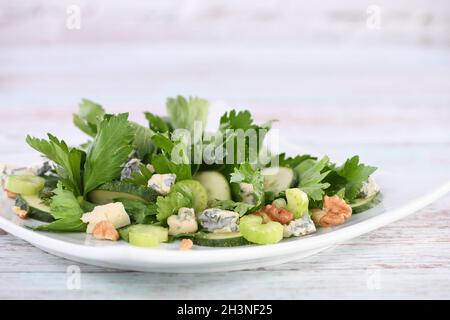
105	230
10	194
186	244
272	213
21	213
335	211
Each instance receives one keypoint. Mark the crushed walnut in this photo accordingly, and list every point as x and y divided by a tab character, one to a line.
105	230
20	212
335	211
272	213
186	244
10	194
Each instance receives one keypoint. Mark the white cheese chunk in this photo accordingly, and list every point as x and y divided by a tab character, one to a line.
369	187
130	166
219	221
112	212
299	227
162	183
247	193
184	222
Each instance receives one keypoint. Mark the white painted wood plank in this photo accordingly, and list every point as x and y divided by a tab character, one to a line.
408	259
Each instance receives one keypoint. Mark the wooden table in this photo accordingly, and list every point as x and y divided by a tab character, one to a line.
389	105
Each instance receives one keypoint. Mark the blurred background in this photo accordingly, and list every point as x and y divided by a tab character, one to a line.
369	77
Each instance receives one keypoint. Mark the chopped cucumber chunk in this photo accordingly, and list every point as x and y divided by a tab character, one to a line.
147	235
35	208
199	193
362	204
278	179
216	185
26	185
228	239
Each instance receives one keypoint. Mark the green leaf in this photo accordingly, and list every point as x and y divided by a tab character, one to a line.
240	207
108	152
292	162
69	160
178	198
355	174
139	211
236	126
66	209
163	163
156	123
142	141
184	112
310	173
139	177
245	173
89	116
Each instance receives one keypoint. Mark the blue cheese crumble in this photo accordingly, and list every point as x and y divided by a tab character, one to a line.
219	221
162	183
299	227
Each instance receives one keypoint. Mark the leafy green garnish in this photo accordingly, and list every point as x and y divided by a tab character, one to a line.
69	160
140	212
240	207
142	141
239	129
179	197
108	152
156	123
67	212
164	162
311	176
185	112
292	162
89	116
349	178
245	173
139	177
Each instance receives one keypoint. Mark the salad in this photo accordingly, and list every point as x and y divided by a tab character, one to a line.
172	180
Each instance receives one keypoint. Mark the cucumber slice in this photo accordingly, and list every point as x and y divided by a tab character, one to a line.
229	239
147	235
216	185
25	185
362	204
297	202
199	193
254	230
35	208
278	179
116	190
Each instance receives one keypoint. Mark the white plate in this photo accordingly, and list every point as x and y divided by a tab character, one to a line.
403	194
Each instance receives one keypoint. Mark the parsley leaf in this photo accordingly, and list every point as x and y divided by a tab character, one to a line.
163	163
89	116
292	162
350	177
310	173
69	160
245	173
156	123
240	207
142	141
140	212
108	152
185	112
239	129
179	197
67	211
